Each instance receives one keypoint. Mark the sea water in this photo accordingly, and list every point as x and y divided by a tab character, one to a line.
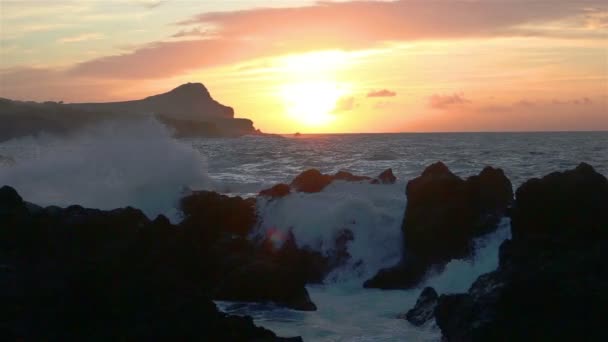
138	163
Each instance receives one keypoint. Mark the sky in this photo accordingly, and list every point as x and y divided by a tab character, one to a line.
329	66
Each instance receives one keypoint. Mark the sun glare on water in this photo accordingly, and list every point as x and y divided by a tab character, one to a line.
310	91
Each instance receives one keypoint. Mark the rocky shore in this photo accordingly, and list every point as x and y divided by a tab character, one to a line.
76	273
552	276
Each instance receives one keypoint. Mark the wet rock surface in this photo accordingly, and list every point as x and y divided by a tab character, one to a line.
552	276
444	213
85	274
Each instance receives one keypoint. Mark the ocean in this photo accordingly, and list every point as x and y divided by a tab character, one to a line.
140	164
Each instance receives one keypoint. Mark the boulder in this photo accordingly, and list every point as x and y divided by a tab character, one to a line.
443	215
552	276
218	214
311	181
314	181
562	202
10	201
424	310
386	177
218	227
277	191
349	177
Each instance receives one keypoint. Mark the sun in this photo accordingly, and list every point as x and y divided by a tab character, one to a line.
309	87
312	103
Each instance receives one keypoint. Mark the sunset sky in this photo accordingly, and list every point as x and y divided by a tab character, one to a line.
307	66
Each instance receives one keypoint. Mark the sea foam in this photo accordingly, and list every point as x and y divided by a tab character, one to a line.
117	163
372	212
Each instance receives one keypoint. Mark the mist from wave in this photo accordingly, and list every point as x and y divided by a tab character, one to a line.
131	162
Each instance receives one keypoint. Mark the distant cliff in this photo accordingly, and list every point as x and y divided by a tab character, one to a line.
188	109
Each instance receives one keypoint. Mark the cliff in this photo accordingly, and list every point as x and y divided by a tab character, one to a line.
188	109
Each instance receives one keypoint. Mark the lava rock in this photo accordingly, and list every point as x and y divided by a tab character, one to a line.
10	201
85	274
349	177
424	310
564	202
386	177
552	276
311	181
218	214
277	191
443	215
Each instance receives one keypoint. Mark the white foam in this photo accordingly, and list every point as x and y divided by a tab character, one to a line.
459	275
372	212
113	164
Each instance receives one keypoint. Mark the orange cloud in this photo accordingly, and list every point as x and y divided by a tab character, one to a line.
247	34
444	101
382	93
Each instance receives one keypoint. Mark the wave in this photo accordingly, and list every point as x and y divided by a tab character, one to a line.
372	212
130	162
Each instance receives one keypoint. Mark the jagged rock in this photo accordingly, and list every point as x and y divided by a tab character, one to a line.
218	213
386	177
443	215
314	181
277	191
453	314
562	202
219	226
349	177
80	274
552	276
311	181
10	201
424	309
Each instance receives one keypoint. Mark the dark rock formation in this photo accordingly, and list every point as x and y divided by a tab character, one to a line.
552	277
219	214
443	215
85	274
219	227
386	177
561	202
424	310
311	181
277	191
349	177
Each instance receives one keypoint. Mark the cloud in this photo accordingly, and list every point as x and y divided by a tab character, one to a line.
84	37
382	93
150	4
345	104
194	32
262	32
583	101
438	101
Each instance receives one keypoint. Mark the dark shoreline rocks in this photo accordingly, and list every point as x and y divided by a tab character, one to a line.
85	274
424	310
312	181
444	213
552	276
